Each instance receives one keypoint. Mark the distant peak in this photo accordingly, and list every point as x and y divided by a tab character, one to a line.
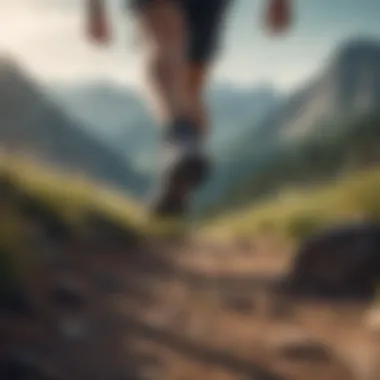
359	46
9	66
362	42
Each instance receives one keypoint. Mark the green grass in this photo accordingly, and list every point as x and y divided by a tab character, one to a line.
293	213
72	197
297	214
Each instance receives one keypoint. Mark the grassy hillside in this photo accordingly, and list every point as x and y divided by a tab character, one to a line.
69	196
296	214
338	147
63	200
39	204
72	197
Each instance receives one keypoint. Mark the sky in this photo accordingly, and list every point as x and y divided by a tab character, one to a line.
47	37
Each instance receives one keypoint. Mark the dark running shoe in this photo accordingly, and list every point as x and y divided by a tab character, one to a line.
184	166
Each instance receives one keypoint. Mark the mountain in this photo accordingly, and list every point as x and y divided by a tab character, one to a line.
121	117
346	87
233	109
105	108
349	85
33	124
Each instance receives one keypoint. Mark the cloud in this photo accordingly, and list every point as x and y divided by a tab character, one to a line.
47	37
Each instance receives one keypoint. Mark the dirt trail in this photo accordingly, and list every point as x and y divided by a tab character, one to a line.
185	311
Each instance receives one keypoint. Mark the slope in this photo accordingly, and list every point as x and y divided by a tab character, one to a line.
31	124
346	90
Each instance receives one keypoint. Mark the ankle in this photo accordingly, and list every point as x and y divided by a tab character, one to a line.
183	127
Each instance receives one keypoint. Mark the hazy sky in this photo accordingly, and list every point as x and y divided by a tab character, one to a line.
46	36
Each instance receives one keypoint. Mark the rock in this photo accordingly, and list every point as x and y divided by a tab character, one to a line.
279	309
312	352
15	303
238	303
22	366
109	284
245	246
340	263
150	368
68	296
74	328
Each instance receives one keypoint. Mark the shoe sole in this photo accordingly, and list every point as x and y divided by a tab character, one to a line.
181	180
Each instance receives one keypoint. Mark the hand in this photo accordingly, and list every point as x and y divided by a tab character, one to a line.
97	23
278	17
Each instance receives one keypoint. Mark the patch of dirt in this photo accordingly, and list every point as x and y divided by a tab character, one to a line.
182	312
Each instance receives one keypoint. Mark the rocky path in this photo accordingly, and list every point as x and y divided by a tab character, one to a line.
179	311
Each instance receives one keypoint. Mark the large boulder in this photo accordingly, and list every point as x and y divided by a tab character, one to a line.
338	263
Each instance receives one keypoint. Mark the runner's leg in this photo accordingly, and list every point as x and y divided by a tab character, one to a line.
196	77
164	35
205	20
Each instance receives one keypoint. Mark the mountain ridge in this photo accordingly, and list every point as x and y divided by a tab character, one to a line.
332	96
33	124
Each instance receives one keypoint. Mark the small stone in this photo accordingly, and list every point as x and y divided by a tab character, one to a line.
23	365
239	304
74	328
305	351
109	284
68	296
16	304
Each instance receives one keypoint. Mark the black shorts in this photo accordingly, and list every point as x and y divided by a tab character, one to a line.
205	22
